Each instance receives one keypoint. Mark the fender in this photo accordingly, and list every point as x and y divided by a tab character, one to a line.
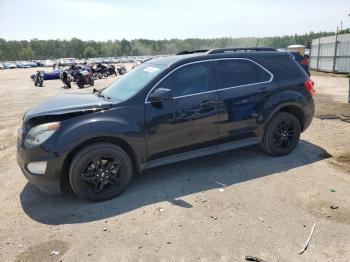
278	101
78	130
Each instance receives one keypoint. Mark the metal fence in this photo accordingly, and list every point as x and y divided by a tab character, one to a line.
331	54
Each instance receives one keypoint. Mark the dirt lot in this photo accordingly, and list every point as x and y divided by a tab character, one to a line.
217	208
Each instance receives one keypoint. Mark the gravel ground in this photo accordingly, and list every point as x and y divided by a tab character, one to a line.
216	208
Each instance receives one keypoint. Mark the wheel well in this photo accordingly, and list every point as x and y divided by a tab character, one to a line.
119	142
298	112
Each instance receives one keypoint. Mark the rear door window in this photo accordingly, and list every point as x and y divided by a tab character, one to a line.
237	72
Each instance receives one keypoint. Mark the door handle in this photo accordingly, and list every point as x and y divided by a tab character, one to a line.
206	103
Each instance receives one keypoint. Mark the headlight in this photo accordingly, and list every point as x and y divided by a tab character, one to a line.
38	134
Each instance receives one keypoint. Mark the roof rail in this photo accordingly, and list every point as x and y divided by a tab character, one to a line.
226	50
234	50
187	52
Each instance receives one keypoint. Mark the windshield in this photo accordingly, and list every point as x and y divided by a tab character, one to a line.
130	84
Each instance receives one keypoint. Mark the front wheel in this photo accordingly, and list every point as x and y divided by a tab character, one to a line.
80	82
282	134
91	82
100	171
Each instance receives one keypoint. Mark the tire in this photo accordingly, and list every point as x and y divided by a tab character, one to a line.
282	134
89	187
68	84
80	82
91	82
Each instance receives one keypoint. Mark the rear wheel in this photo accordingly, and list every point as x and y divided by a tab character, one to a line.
282	134
100	171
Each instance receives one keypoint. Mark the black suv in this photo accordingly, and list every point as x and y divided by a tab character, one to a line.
166	110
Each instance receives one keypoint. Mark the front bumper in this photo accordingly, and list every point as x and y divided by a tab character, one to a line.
48	182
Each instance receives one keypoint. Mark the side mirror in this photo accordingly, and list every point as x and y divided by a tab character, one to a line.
161	94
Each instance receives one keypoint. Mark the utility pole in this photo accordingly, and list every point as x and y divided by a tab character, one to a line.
349	89
335	50
349	79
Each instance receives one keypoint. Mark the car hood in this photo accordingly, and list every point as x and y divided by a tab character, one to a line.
68	103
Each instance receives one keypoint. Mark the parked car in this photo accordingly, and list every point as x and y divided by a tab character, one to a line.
66	61
48	63
303	61
9	65
2	67
50	75
106	60
24	64
165	110
33	63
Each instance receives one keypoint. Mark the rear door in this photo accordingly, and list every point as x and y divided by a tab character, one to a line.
190	120
243	87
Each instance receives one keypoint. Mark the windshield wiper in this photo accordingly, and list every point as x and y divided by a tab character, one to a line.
99	93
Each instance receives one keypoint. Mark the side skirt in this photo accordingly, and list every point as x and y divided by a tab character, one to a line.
200	152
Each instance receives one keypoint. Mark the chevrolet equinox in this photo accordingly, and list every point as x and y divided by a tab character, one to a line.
166	110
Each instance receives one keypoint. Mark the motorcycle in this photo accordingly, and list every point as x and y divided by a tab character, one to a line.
39	78
85	78
111	70
122	70
100	71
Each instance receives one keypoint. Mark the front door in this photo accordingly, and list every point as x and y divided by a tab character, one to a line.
190	120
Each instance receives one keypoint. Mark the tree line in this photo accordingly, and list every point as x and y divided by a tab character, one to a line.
53	49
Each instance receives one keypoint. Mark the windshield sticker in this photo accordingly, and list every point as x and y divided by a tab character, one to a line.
151	69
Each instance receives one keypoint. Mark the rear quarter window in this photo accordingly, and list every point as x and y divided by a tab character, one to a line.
238	72
287	66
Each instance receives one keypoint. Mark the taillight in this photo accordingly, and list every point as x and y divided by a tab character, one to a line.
304	62
309	84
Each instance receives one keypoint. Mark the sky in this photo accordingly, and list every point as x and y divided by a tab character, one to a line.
165	19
